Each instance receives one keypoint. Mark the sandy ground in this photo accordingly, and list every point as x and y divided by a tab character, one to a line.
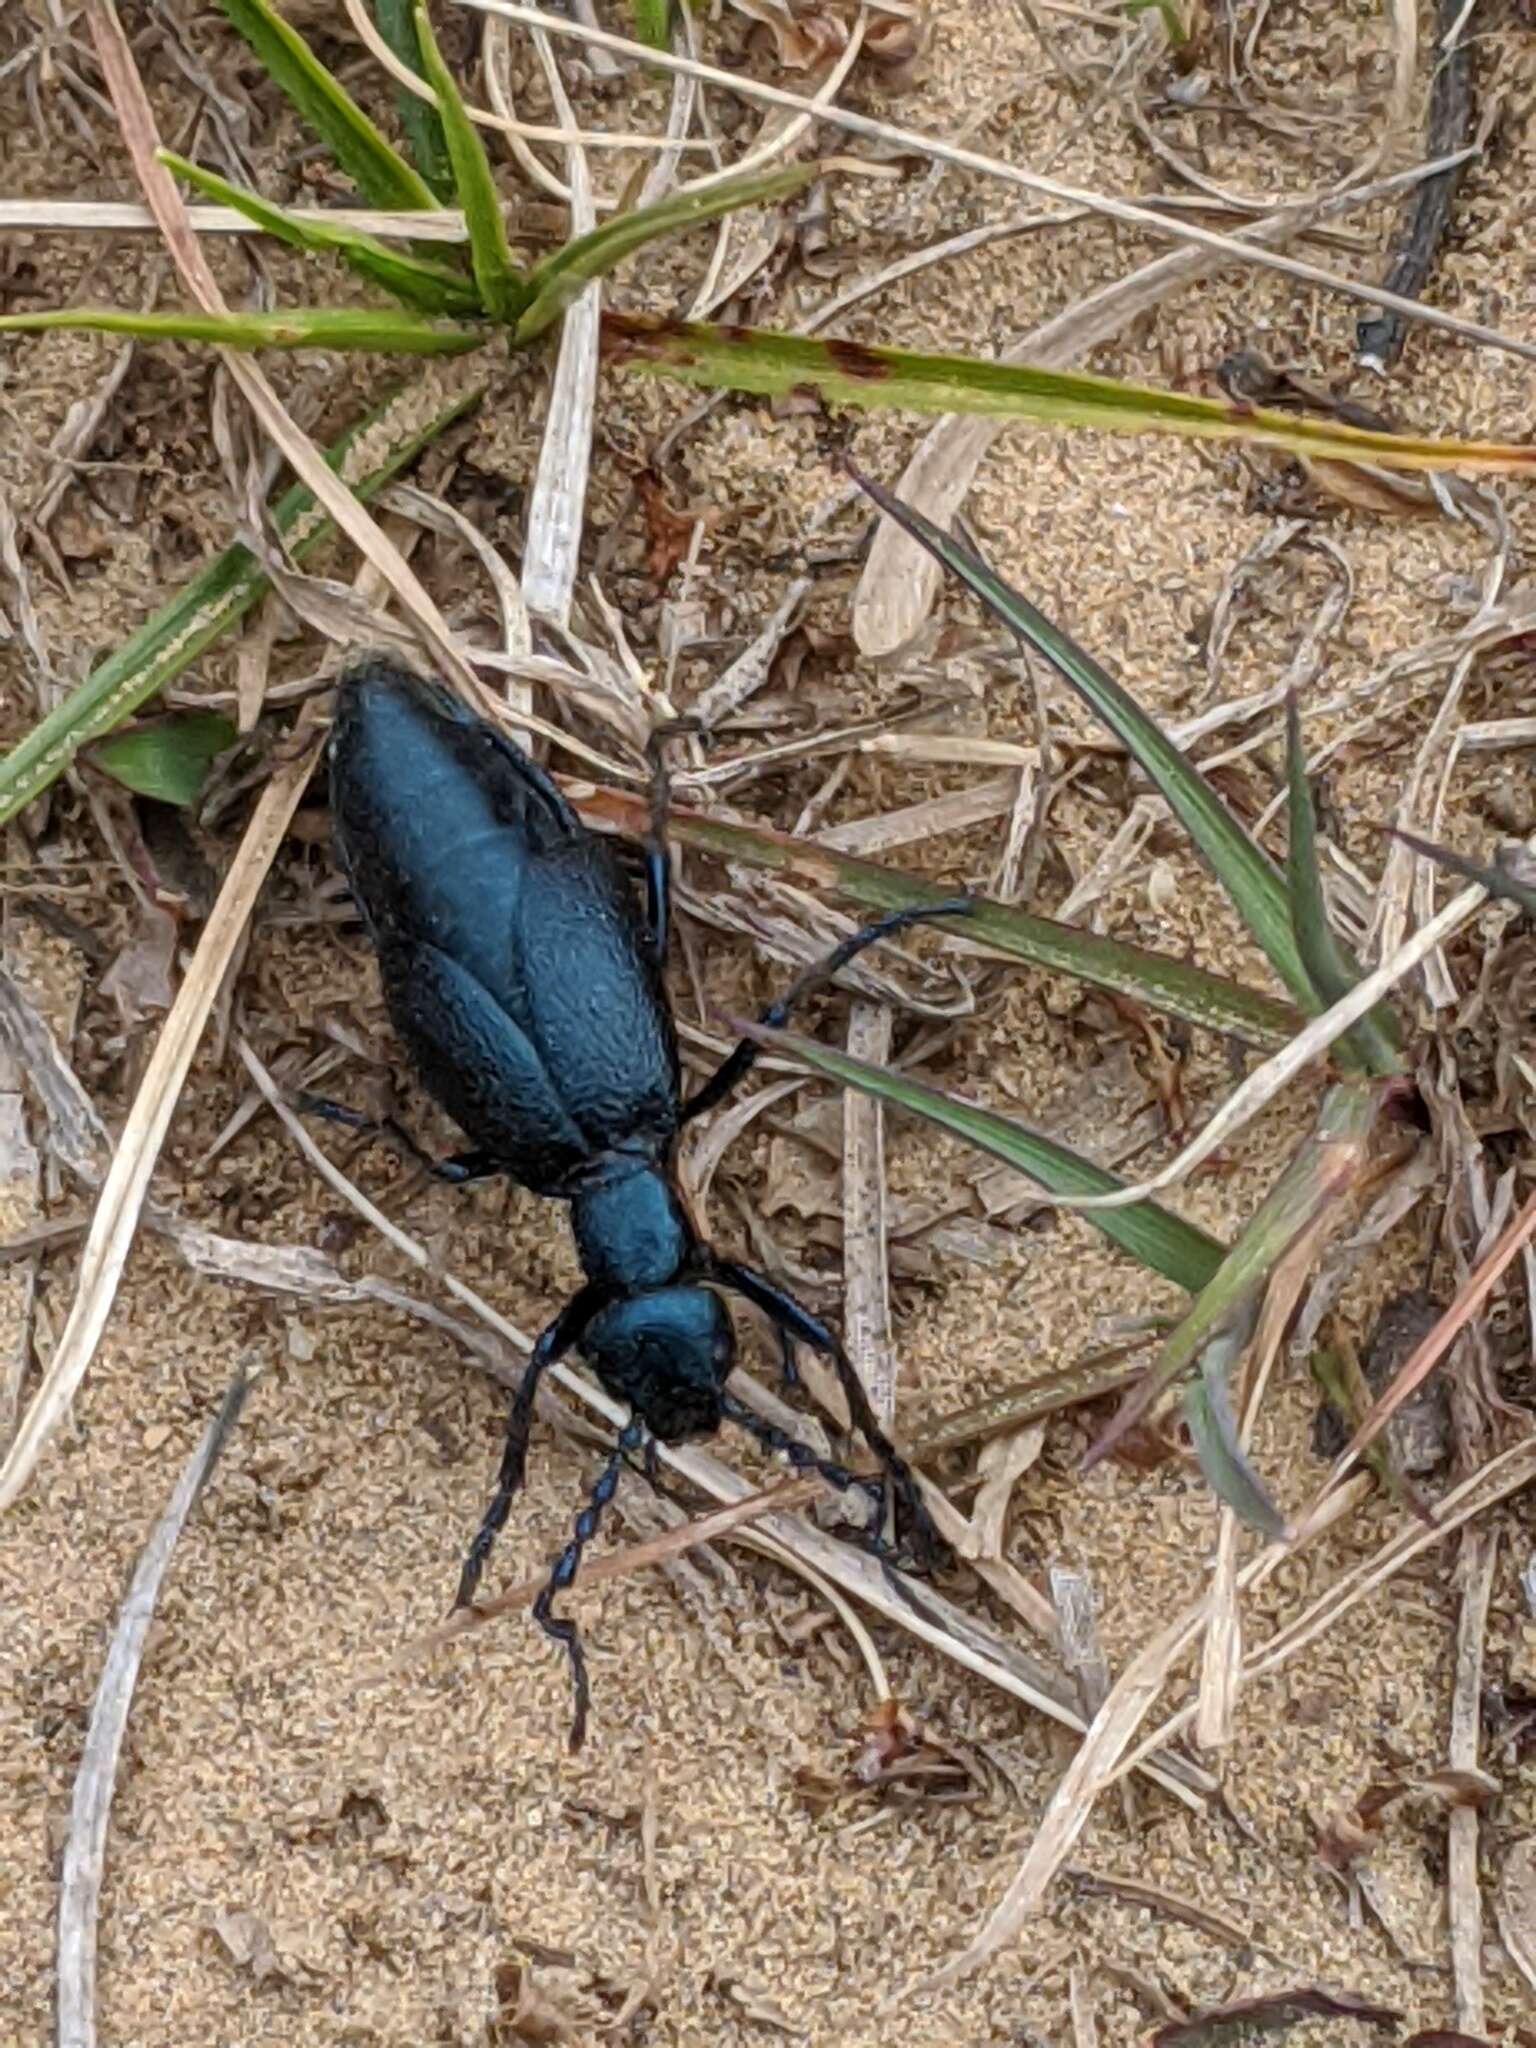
310	1848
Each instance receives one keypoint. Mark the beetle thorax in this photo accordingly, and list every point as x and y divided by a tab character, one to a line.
632	1231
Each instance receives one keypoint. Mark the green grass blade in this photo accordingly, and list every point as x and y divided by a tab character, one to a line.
561	276
1208	1410
653	22
503	289
1496	880
418	117
1171	986
167	758
1323	1168
1154	1237
1245	871
381	175
343	328
1375	1044
377	449
427	286
849	373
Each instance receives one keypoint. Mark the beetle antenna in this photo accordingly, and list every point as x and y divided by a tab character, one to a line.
630	1439
739	1062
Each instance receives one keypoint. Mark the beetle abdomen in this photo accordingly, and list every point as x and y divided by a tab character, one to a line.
471	1056
509	941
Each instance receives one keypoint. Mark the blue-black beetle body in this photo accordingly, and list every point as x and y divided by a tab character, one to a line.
526	988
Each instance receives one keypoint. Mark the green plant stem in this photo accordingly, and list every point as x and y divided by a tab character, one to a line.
343	328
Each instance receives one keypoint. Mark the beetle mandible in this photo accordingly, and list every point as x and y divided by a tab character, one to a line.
525	985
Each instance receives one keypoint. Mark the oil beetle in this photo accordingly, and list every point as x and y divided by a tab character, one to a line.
526	986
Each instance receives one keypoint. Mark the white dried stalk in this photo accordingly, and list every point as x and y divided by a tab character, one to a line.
1464	1899
557	505
750	670
866	1267
95	216
91	1808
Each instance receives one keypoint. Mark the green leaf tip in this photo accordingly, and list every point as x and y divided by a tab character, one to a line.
1374	1046
166	758
380	173
503	288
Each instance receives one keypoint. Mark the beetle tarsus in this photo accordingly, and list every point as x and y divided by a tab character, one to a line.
552	1343
631	1438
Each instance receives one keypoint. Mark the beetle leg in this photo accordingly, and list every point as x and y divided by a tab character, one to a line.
787	1365
460	1167
553	1341
789	1317
631	1438
738	1063
658	862
800	1455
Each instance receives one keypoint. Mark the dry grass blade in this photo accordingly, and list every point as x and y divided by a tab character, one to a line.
557	506
1265	1082
1222	1657
122	1196
1464	1899
866	1274
143	141
887	134
96	216
21	1190
1101	1759
91	1809
1439	1340
1113	1729
77	1137
1155	1899
1503	1476
751	669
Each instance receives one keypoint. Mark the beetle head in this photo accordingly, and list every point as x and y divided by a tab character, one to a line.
668	1353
